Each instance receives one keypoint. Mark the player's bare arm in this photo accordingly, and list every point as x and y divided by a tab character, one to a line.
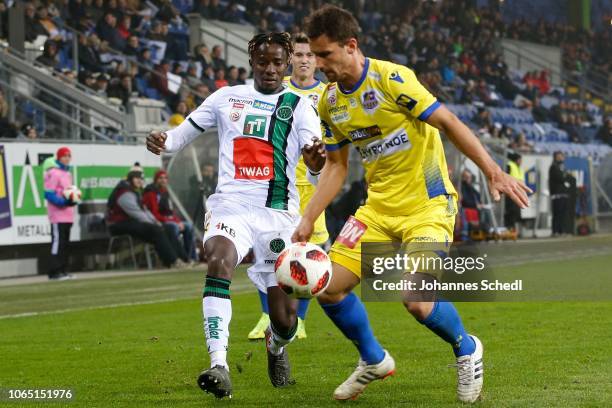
463	138
330	182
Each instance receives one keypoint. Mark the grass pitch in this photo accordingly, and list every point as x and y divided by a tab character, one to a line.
137	341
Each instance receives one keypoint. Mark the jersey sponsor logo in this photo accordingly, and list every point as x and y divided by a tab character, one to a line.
255	125
351	232
395	76
339	114
263	105
369	100
405	101
253	159
244	101
352	102
365	133
236	111
284	113
226	228
374	75
391	144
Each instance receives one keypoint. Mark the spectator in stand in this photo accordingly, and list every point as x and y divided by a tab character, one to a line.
28	132
157	200
89	53
208	78
159	80
49	56
122	89
220	80
195	99
144	58
242	76
232	14
4	106
132	47
540	113
61	212
202	55
179	114
605	132
107	30
124	26
568	124
48	26
520	144
101	84
232	76
217	58
191	76
34	27
126	215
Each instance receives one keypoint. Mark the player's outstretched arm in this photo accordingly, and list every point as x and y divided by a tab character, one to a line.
462	137
330	182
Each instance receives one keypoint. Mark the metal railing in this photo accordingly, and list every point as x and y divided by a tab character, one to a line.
60	108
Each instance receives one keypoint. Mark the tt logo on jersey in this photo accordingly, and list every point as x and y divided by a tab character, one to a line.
255	125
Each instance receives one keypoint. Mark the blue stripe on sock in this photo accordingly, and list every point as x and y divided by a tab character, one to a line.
263	299
446	323
302	308
350	316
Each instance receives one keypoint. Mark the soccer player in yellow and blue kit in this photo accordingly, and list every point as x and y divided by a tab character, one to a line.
302	81
393	121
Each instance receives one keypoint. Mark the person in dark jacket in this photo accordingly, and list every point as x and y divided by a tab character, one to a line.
157	200
558	185
126	215
49	55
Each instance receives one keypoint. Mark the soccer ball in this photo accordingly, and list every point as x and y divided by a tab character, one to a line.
303	270
73	194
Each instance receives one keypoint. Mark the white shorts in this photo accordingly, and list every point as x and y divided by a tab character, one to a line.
265	230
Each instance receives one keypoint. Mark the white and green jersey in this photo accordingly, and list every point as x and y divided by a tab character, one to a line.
261	138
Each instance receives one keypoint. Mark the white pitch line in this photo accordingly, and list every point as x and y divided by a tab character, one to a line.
240	288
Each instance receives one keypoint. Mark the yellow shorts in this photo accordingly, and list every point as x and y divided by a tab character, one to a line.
433	223
320	235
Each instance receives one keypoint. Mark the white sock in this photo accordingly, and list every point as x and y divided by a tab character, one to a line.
277	343
217	316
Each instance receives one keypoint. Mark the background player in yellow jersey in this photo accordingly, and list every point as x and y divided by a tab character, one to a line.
302	81
393	121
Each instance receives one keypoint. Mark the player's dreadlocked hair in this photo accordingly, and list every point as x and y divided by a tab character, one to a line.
283	39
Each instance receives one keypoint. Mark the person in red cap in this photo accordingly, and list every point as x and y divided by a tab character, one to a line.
61	213
157	200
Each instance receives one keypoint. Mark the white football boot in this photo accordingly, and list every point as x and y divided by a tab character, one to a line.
363	375
470	374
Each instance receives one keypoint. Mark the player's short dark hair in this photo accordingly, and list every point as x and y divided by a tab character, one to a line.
299	38
336	23
280	38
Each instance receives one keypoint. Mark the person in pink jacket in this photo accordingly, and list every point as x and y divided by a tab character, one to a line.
61	213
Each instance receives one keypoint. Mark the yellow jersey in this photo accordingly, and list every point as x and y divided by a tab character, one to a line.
313	92
383	117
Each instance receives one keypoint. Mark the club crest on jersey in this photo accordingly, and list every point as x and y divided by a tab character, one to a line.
353	102
314	98
236	111
369	100
284	112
